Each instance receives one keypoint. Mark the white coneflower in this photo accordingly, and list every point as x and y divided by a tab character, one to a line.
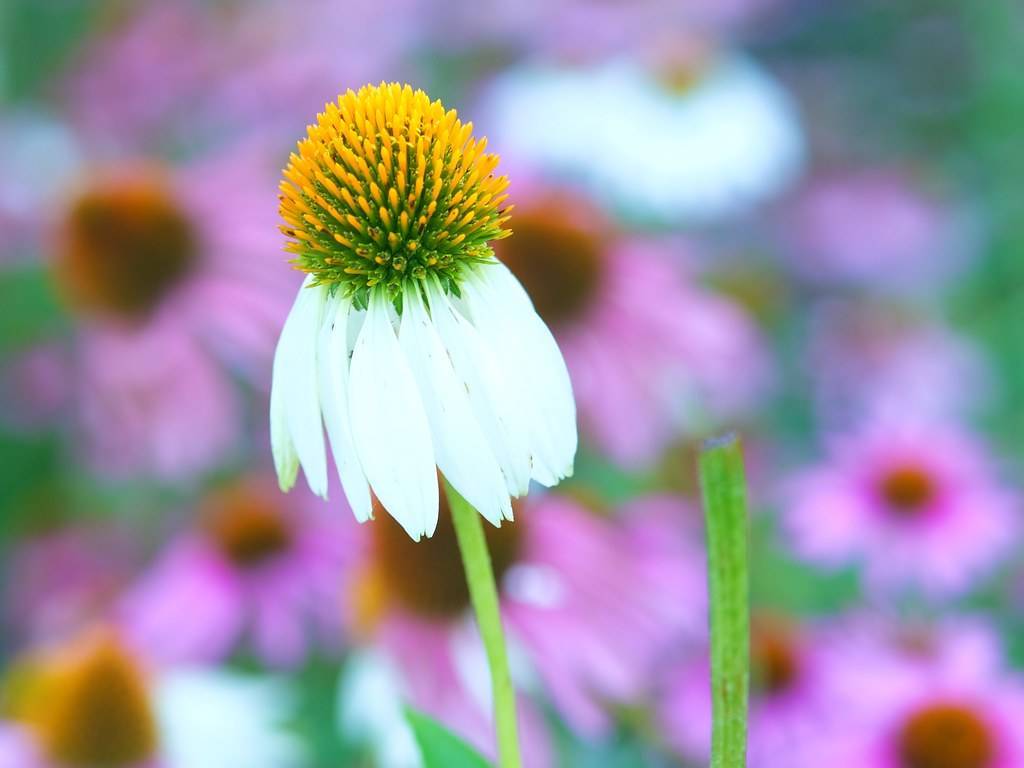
700	144
414	347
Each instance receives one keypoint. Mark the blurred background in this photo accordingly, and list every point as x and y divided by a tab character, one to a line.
798	219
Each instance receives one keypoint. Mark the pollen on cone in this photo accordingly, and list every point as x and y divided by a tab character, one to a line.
389	186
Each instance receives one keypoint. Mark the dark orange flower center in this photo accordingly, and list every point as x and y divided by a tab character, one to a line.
774	657
426	577
946	736
95	710
682	70
558	253
126	244
247	524
907	490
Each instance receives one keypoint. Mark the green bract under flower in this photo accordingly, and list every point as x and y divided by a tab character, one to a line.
389	187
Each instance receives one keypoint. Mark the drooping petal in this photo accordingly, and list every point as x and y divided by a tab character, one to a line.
461	449
334	383
389	426
286	460
302	389
296	431
505	317
494	402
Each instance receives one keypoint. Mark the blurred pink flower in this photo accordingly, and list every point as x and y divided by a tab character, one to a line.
34	386
870	360
182	73
589	605
575	29
152	403
148	68
791	714
936	698
175	275
567	605
289	58
874	227
58	581
17	749
917	503
177	281
257	565
652	354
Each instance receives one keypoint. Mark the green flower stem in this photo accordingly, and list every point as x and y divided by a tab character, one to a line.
483	592
725	509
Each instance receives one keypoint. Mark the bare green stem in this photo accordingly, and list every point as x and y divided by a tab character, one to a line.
723	488
483	592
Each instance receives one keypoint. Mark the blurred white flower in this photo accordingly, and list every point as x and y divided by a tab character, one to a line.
370	707
95	702
214	718
725	142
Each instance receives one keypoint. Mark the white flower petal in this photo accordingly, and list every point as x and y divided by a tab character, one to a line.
505	316
301	389
494	401
461	449
286	460
333	366
296	434
389	427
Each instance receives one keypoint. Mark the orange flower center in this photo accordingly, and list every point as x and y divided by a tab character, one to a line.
126	244
93	708
774	657
426	577
247	524
907	490
558	254
946	736
682	65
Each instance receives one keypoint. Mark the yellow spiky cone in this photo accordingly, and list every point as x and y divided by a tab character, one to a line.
389	187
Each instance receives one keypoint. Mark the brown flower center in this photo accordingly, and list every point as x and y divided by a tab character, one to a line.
774	657
946	736
96	711
907	490
680	63
126	244
557	251
247	524
426	577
